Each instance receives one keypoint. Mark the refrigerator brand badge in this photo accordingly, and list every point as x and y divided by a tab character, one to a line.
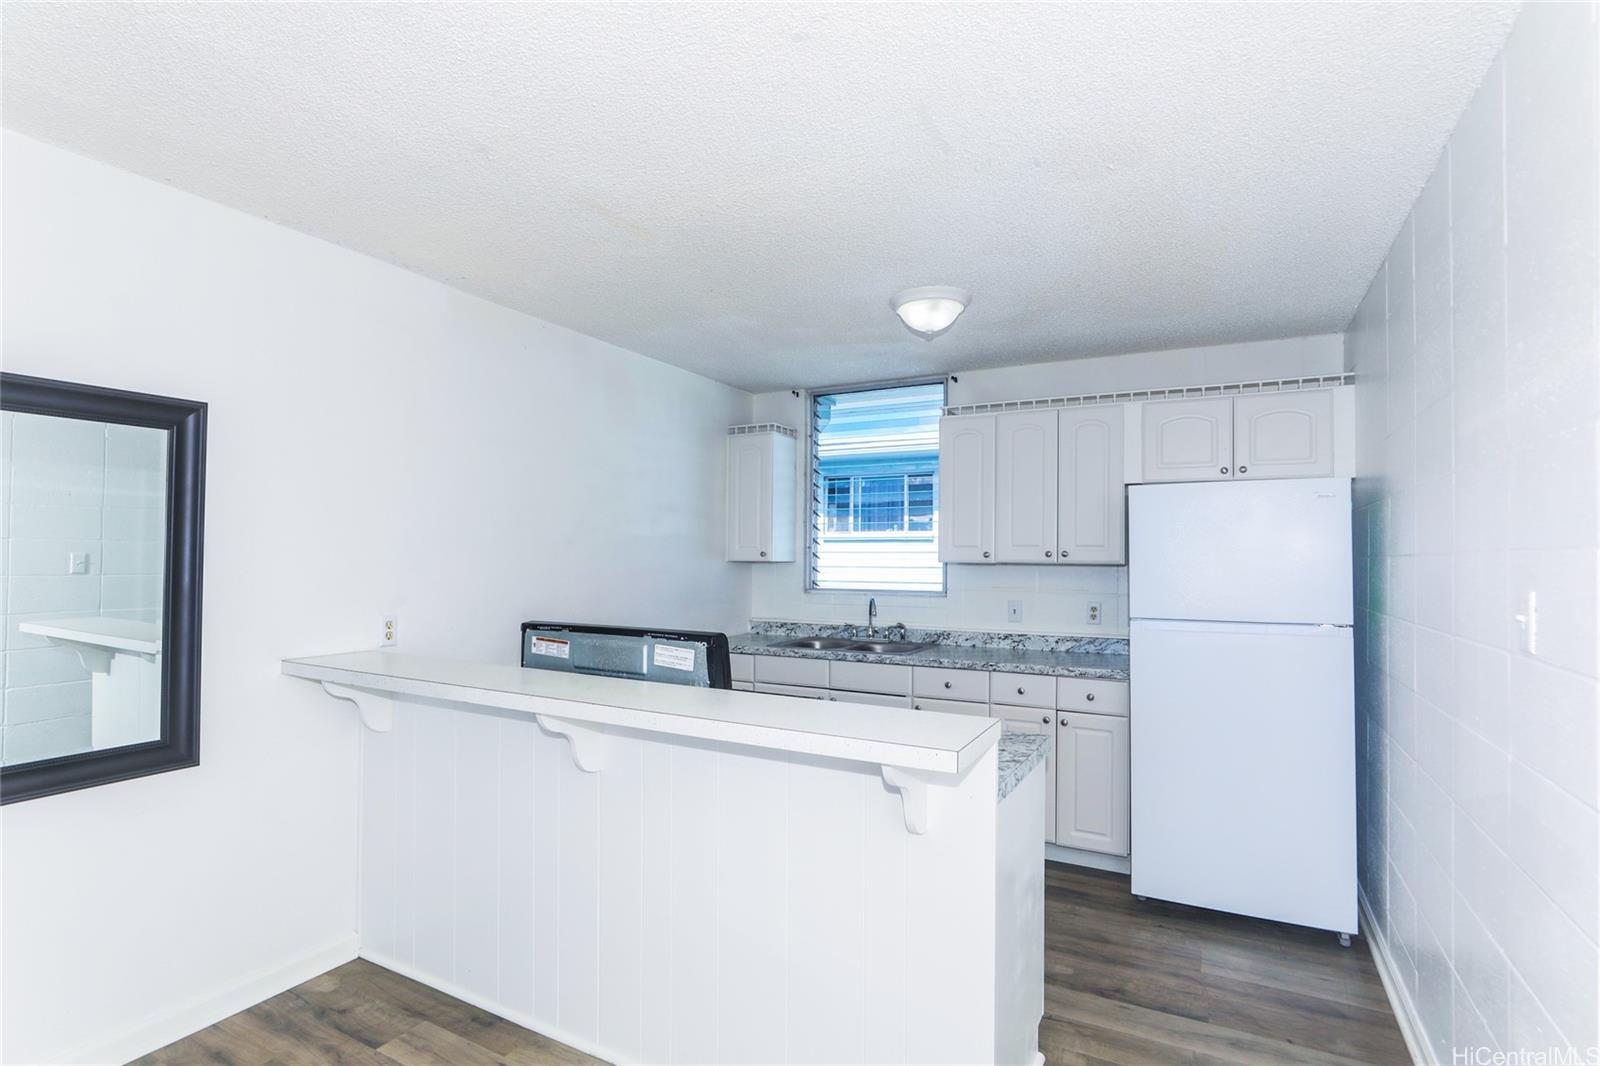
670	658
556	649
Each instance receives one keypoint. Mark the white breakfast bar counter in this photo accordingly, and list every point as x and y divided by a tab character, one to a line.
657	873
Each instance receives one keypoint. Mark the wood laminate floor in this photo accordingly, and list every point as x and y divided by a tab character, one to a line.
1125	982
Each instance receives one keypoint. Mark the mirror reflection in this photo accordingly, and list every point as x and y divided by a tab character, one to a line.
83	544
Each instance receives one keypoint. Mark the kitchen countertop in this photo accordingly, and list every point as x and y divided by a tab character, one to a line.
1017	754
1102	666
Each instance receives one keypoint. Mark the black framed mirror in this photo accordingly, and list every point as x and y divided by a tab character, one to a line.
102	494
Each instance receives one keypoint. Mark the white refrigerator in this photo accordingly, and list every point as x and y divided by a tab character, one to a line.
1243	698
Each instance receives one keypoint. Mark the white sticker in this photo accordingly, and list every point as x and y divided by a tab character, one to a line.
670	658
558	649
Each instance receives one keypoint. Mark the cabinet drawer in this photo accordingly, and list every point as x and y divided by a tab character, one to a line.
1022	690
870	677
952	706
781	671
941	684
1024	719
801	691
875	699
742	667
1095	697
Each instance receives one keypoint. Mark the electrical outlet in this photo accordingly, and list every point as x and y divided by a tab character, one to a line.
77	562
391	630
1094	612
1013	610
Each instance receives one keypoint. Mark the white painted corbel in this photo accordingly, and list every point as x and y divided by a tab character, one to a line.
590	746
96	658
377	711
913	789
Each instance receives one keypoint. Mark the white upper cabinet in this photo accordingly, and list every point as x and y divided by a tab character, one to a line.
1025	487
761	496
966	488
1091	506
1188	440
1283	434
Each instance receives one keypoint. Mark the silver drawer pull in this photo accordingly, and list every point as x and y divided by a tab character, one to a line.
949	684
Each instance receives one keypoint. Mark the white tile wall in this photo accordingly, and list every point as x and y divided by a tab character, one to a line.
1477	395
70	486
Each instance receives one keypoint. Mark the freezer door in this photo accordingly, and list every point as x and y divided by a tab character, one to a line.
1244	551
1243	750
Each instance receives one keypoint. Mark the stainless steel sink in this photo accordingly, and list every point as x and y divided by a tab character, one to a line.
817	643
892	647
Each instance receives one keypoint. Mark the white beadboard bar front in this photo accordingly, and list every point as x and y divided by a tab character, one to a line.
656	873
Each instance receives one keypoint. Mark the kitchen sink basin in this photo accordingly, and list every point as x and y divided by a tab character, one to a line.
891	647
817	643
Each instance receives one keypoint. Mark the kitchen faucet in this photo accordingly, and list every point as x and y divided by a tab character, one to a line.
872	616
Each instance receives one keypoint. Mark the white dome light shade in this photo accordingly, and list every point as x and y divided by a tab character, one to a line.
930	310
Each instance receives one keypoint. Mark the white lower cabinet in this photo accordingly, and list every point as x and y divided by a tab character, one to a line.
1092	790
1087	771
1038	721
923	703
803	691
876	699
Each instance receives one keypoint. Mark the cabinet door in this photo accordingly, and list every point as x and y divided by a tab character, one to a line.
1090	522
1025	487
1092	798
1284	434
749	497
876	699
966	488
1188	440
1033	720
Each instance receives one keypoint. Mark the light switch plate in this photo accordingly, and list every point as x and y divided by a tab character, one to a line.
77	562
1013	610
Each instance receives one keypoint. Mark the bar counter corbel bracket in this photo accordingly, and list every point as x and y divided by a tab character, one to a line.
590	746
377	710
915	800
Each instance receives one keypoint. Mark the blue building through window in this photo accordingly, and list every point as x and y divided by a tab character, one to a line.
875	477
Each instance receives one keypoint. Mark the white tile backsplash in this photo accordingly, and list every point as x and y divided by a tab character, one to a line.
1478	389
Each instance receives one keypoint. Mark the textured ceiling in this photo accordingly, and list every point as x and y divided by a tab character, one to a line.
739	189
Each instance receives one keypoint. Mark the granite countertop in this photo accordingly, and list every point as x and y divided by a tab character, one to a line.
1102	665
1018	753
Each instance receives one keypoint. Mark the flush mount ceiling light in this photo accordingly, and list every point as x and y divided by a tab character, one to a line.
930	310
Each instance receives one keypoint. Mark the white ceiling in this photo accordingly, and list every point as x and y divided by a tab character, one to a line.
739	189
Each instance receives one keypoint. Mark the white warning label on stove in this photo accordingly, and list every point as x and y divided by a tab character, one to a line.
556	649
670	658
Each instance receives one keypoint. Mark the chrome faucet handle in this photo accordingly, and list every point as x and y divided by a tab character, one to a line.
901	628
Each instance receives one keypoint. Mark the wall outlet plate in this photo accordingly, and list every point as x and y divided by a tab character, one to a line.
1013	610
390	631
1094	612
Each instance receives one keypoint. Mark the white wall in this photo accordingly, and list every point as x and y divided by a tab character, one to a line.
1478	387
1055	598
377	442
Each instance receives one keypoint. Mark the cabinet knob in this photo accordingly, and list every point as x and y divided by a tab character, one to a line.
1090	697
916	706
1020	691
1065	553
1045	719
763	555
986	554
949	684
1063	723
1047	554
1224	470
1242	469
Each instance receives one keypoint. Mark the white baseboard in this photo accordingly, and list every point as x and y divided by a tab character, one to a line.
213	1007
1405	1012
510	1014
1117	864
